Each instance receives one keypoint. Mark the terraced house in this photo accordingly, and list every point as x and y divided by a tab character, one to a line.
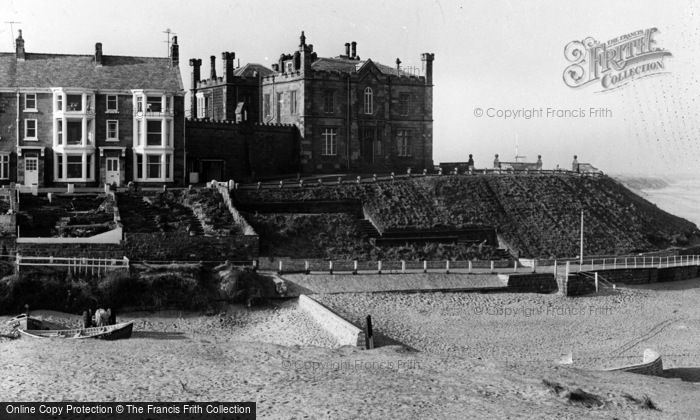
90	119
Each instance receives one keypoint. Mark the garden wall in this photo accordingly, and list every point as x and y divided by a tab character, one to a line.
179	247
306	206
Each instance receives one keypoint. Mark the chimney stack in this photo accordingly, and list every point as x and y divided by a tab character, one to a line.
196	64
174	53
347	49
98	54
227	58
19	47
212	74
302	39
427	59
354	49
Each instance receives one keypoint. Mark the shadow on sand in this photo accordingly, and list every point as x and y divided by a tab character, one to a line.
686	374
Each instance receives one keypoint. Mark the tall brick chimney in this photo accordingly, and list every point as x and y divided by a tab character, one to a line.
174	53
427	59
354	49
302	39
212	74
19	47
196	65
227	58
98	54
347	49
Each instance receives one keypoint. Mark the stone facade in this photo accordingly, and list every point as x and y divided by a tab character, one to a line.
351	114
74	119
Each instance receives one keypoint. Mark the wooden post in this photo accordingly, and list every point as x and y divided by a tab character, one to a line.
492	266
379	267
369	334
596	282
280	268
447	266
403	266
425	266
354	267
306	267
515	266
330	266
534	265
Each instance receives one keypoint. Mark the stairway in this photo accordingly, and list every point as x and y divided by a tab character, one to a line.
367	228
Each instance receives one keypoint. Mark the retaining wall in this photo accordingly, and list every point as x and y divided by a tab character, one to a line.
651	365
345	332
178	247
531	283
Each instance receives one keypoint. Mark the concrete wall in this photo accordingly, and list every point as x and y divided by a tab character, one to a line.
345	332
651	365
531	283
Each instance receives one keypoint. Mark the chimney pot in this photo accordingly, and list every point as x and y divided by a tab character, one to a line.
354	49
347	49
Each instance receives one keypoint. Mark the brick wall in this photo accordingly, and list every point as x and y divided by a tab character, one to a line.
248	151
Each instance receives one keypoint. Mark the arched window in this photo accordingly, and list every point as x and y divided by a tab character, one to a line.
369	101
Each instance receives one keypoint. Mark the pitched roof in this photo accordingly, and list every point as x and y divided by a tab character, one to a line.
250	68
348	65
63	70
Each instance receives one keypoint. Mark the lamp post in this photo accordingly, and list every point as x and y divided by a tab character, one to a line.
581	245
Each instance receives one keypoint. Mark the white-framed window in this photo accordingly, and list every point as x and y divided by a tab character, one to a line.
154	133
4	166
30	130
154	166
403	143
72	166
112	103
404	103
293	102
154	104
59	102
369	101
30	102
290	66
75	102
329	142
59	131
112	130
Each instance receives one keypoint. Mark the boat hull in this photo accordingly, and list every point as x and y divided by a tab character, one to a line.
108	332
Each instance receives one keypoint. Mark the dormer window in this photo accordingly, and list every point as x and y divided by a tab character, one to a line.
30	101
289	67
369	101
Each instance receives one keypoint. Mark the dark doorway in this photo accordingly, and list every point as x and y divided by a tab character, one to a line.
367	144
212	170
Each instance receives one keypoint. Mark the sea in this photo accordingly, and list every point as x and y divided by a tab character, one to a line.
680	197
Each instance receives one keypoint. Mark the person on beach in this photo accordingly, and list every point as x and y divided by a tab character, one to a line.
496	163
470	163
86	319
574	164
539	162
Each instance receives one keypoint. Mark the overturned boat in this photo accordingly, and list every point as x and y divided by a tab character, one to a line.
107	332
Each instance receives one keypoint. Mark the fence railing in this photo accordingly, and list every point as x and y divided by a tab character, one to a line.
310	182
309	266
75	265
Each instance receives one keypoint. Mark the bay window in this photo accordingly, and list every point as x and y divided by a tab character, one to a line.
154	133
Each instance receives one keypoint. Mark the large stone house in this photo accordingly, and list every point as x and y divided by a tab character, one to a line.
90	119
352	114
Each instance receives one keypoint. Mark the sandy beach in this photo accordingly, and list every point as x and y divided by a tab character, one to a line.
466	364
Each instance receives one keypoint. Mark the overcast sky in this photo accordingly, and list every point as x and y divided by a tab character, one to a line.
488	54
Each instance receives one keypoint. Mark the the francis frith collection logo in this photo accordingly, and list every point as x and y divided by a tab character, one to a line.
614	63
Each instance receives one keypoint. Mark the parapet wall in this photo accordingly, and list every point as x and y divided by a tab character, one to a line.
345	332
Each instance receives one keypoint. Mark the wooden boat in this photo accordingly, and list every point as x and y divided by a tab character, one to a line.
107	332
